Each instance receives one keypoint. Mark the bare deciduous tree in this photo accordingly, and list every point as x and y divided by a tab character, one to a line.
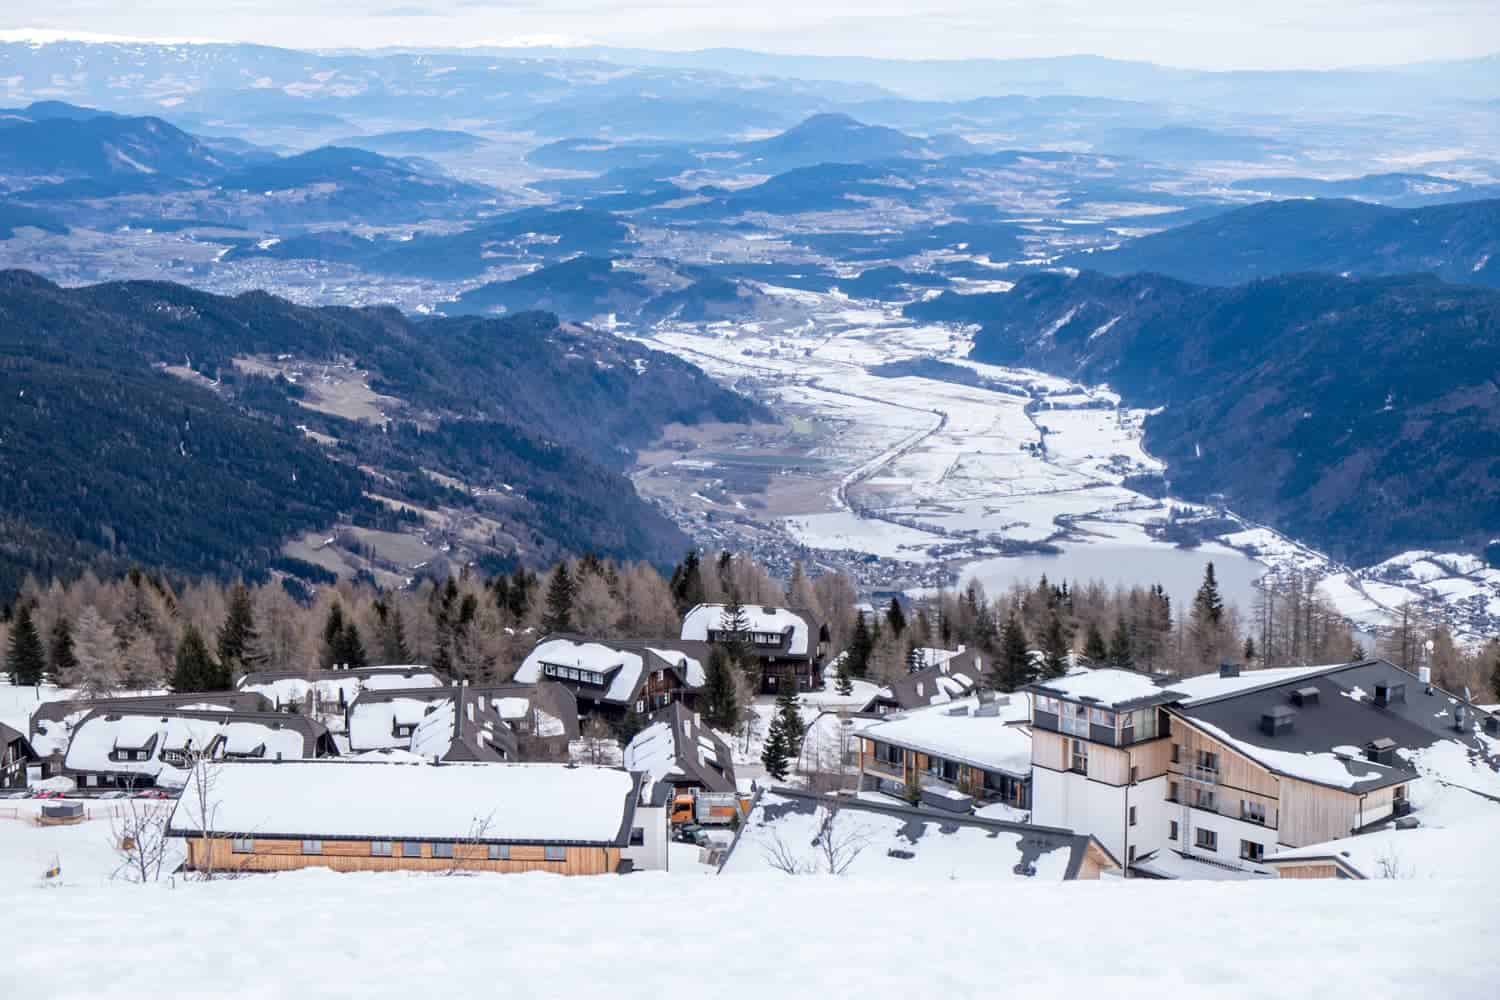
138	833
202	807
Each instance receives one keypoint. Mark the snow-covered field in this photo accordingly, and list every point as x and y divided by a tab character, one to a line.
320	934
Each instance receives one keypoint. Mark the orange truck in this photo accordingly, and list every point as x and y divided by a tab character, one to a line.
708	808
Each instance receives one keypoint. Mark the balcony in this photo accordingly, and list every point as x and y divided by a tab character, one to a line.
1196	772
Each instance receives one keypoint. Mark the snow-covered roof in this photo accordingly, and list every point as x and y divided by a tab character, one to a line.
947	679
900	843
992	742
1104	686
269	736
692	669
504	803
335	686
621	668
1212	685
698	622
678	748
372	720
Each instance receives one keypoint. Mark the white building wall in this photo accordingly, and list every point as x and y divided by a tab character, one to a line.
652	855
1230	832
1071	801
1152	814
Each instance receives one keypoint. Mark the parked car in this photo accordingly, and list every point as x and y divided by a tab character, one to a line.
152	793
48	793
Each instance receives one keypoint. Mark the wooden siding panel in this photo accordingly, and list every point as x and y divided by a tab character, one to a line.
1235	769
1315	870
1047	750
1311	814
1150	759
354	855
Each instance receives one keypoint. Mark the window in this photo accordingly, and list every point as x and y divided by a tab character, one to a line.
1252	812
1130	856
1132	815
312	847
381	849
1046	704
1206	839
1074	719
243	845
499	852
1252	851
1204	798
1208	761
637	836
1176	753
1102	717
1172	830
1173	795
442	850
411	849
1078	759
555	853
1135	774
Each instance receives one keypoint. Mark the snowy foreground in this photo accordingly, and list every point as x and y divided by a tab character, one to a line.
316	933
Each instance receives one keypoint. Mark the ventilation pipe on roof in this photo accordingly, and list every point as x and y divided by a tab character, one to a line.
1229	670
1459	718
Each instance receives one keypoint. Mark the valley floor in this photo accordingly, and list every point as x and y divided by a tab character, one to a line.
316	933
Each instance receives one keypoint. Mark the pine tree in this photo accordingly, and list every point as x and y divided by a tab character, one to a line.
390	629
1013	667
558	616
860	644
1494	676
773	755
1094	647
1249	650
844	683
630	725
62	663
895	617
1120	647
27	658
195	669
687	582
333	635
352	648
237	636
787	710
721	707
1056	647
1206	620
734	623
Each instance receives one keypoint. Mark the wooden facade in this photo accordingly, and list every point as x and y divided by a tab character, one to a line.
284	854
969	779
1310	869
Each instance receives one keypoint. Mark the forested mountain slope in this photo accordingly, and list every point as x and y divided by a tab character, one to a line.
1362	415
107	455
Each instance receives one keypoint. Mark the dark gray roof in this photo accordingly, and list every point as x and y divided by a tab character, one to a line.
1345	715
241	701
917	690
688	734
1035	839
557	700
9	736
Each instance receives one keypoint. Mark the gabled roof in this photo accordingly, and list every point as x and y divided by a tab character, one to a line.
551	709
623	669
800	627
957	675
374	714
676	748
9	736
464	727
285	686
475	803
1326	741
48	721
899	842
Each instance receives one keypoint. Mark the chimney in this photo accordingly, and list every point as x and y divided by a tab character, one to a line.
1229	670
1424	674
1303	697
1492	725
1381	751
1278	720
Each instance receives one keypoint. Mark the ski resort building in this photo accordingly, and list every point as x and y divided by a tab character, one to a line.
378	816
676	749
332	691
135	748
17	758
949	675
1229	769
975	751
787	641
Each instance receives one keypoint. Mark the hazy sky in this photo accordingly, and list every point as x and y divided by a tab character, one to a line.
1199	33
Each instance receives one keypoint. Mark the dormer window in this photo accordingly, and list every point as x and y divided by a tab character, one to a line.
558	671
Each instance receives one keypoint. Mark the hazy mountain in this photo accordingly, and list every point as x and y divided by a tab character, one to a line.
1184	143
68	143
578	289
108	458
1395	189
837	138
651	118
13	217
1459	242
1360	415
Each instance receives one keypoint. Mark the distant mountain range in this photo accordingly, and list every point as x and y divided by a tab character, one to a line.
418	142
110	457
1459	243
1397	190
1361	415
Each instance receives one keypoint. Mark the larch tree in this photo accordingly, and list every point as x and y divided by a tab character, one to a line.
26	658
97	649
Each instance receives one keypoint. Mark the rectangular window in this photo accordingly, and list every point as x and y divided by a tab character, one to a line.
1132	815
1046	704
1078	759
1208	761
1102	717
411	849
1074	719
1172	792
1176	753
499	852
1252	812
555	853
442	850
243	845
312	847
1130	857
1135	774
637	836
1252	851
1206	839
1203	798
1172	830
381	849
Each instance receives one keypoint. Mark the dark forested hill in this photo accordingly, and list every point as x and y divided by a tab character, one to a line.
108	456
1459	243
1363	415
